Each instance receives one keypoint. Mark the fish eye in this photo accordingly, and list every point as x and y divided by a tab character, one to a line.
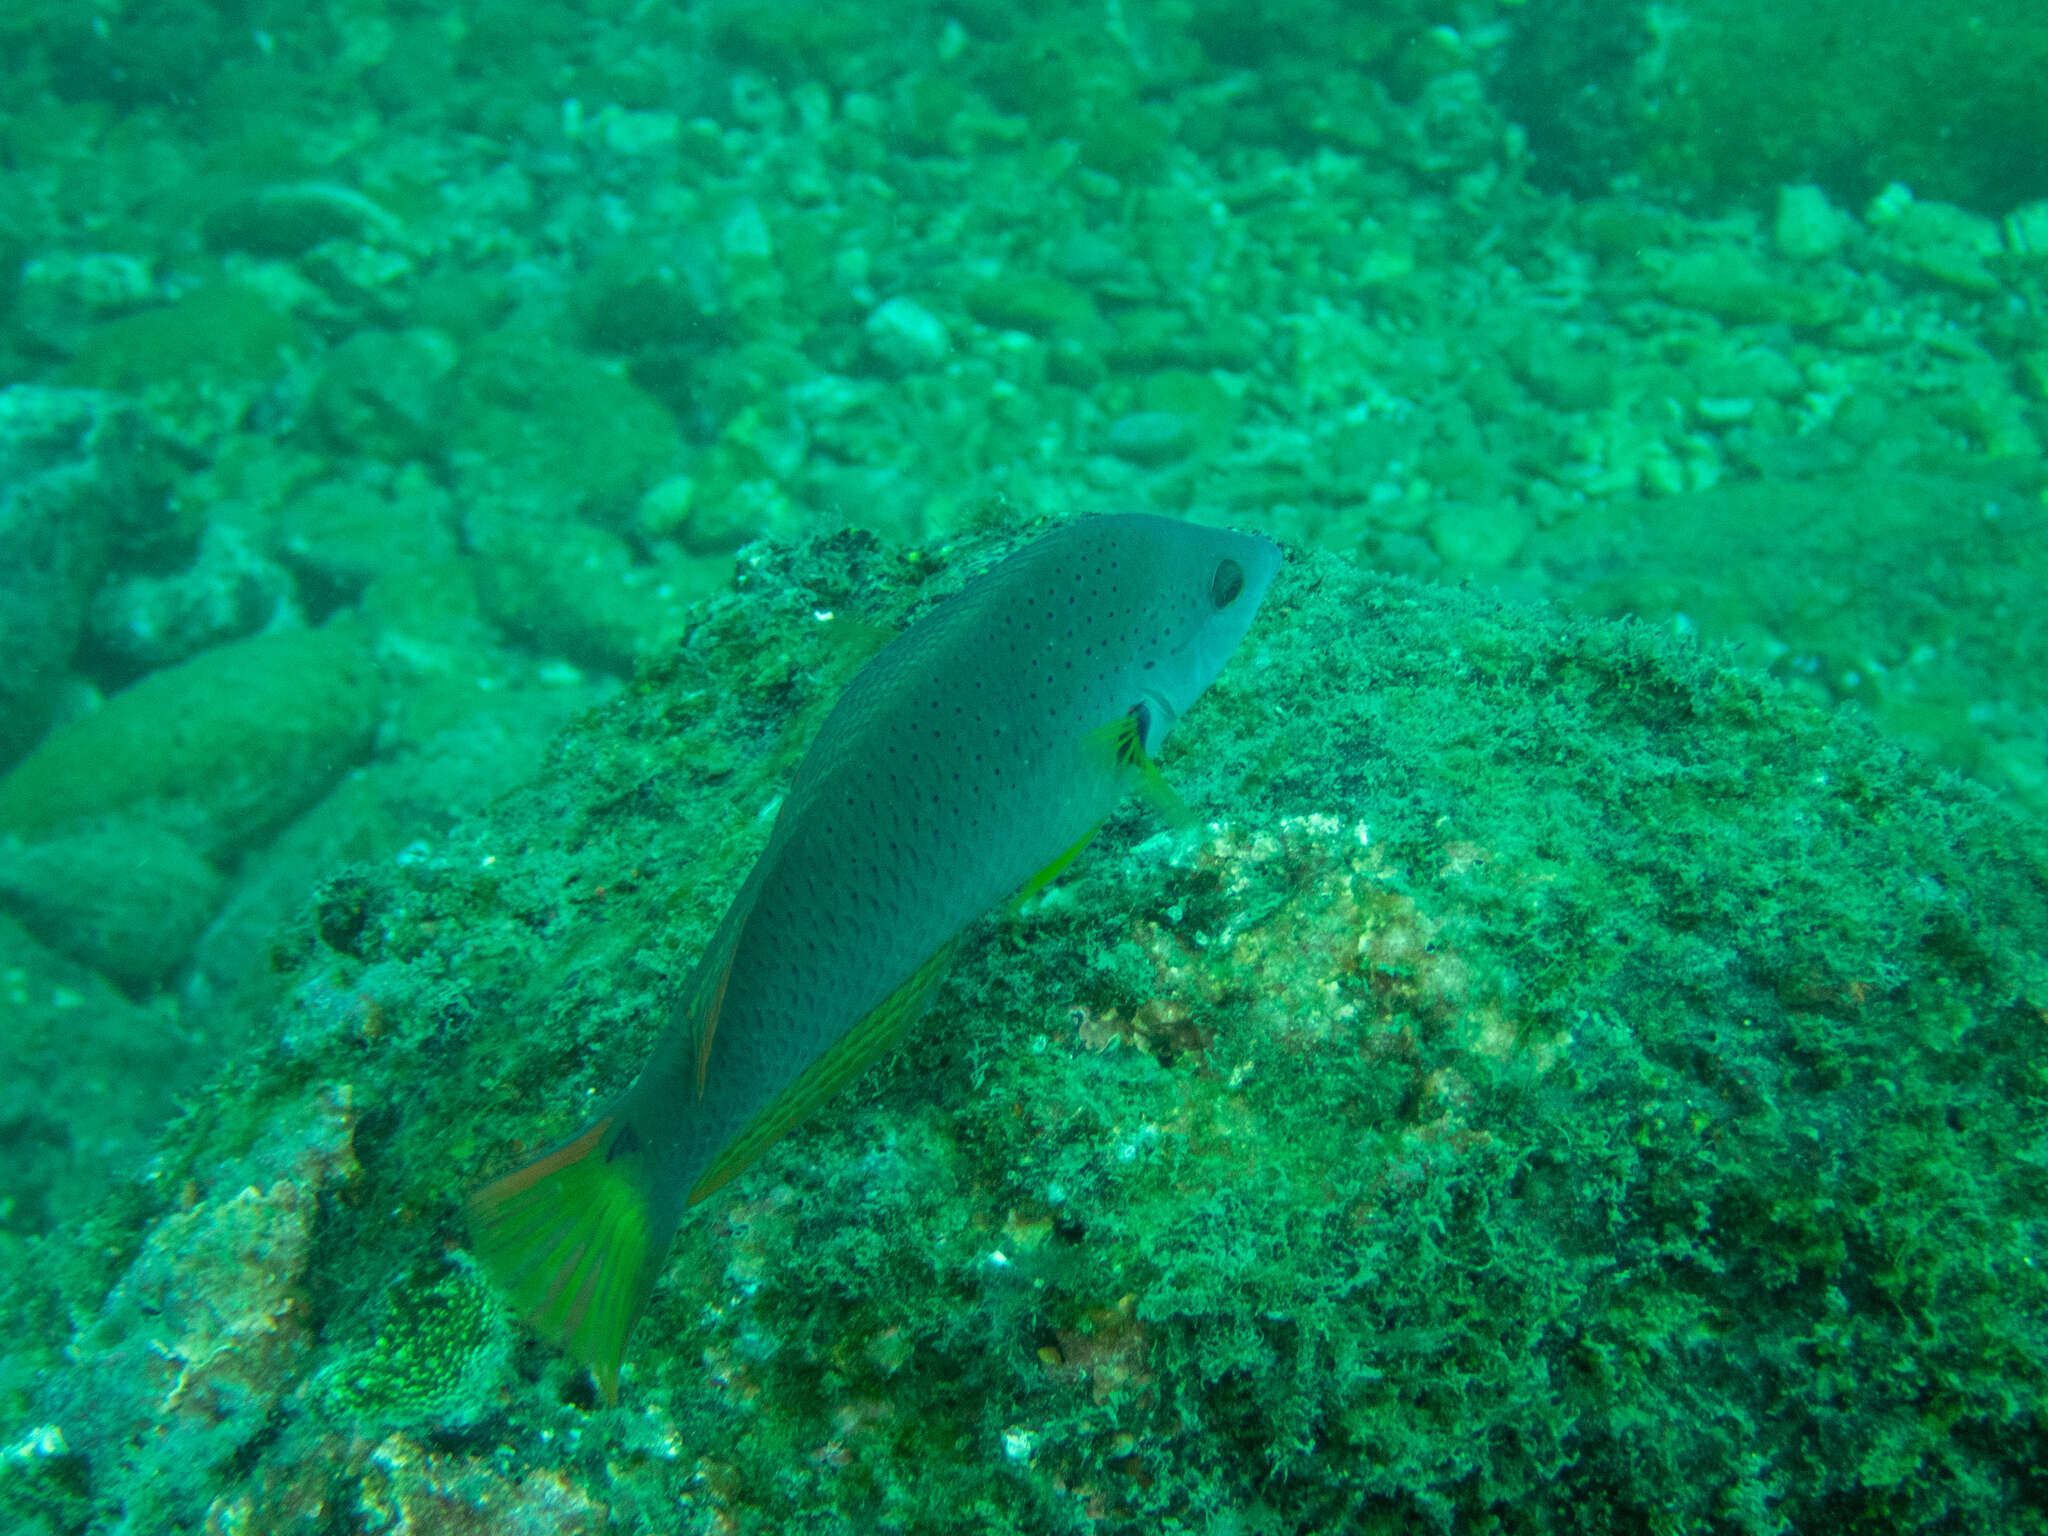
1226	584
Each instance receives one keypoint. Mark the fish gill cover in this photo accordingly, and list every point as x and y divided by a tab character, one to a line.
1567	1084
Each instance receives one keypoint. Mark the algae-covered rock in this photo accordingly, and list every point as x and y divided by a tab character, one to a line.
1075	81
87	1080
72	472
1551	1042
1911	595
1736	97
292	218
192	1349
405	798
569	589
219	749
1808	227
383	394
122	896
1728	283
139	623
1035	302
550	428
1150	438
343	534
905	337
1859	92
219	335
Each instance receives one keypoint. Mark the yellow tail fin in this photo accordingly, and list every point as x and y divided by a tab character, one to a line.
575	1240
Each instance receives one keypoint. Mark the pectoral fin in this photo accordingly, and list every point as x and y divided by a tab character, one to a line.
1121	744
1051	872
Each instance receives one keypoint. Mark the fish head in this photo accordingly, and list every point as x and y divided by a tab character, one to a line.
1206	585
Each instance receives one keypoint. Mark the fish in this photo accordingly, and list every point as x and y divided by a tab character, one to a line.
969	762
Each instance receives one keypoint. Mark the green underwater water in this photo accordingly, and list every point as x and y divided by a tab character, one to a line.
1583	1074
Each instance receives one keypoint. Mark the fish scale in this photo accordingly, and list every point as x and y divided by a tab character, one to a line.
967	762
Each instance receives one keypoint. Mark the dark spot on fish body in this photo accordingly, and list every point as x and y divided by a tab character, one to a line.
625	1144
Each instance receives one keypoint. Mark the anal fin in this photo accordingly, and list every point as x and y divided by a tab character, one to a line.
871	1038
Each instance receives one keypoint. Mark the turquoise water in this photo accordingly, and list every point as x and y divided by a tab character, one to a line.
1581	1078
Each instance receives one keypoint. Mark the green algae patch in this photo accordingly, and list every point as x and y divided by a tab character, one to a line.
438	1348
1857	94
222	332
1912	596
1566	1082
219	750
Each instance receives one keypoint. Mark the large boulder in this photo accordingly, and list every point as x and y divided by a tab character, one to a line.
1566	1083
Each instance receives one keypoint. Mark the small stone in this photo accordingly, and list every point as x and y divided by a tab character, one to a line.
734	507
541	424
290	220
1725	410
365	277
670	295
1151	438
1074	363
1037	303
1561	375
62	293
1808	226
1938	240
1728	283
635	134
905	337
2026	231
224	339
1752	373
569	589
664	512
1407	554
1210	409
1387	256
1478	536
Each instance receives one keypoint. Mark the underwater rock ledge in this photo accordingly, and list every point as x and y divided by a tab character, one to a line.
1567	1083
